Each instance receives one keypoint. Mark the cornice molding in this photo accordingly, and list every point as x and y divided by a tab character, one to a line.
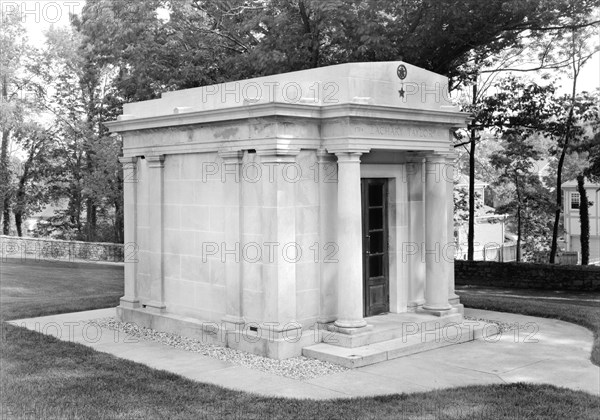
288	110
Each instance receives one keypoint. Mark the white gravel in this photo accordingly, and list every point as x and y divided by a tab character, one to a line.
300	368
502	326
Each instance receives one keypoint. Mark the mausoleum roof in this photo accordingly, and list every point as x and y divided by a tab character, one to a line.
388	84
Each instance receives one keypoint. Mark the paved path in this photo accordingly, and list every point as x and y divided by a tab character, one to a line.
544	351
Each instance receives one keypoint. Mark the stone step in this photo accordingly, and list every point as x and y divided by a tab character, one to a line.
388	327
354	357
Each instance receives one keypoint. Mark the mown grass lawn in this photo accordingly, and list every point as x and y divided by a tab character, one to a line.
42	377
579	308
32	288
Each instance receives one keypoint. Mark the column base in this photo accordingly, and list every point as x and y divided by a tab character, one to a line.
348	331
350	323
232	319
155	307
129	303
439	311
453	299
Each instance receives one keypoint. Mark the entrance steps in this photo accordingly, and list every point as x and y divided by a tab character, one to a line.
391	336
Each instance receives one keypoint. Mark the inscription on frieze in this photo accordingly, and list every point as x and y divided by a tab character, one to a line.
393	130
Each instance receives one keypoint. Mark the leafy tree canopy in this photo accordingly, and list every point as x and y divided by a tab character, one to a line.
208	41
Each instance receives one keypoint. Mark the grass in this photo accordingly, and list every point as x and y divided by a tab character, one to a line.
579	308
36	288
42	377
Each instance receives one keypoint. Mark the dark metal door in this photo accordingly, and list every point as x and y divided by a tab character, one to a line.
375	246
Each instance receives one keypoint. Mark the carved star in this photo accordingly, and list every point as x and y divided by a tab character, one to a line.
401	92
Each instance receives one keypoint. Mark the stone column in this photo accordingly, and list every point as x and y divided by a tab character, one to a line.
412	248
232	161
156	246
349	234
448	254
327	234
279	238
130	180
436	231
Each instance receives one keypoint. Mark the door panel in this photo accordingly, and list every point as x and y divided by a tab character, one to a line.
375	246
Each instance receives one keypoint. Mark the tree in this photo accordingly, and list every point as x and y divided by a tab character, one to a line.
31	192
578	51
14	83
587	165
23	187
461	208
444	36
515	112
538	52
584	220
516	161
122	51
206	41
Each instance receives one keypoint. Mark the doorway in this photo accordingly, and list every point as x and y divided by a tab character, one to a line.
375	231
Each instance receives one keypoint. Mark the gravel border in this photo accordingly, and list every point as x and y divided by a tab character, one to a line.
299	368
502	326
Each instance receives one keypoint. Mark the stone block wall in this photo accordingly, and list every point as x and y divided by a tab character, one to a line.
527	276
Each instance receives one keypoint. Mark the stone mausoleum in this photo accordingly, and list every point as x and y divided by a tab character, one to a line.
301	212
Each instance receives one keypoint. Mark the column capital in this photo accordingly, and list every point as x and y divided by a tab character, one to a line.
415	157
156	161
348	156
324	156
277	155
345	150
125	160
435	158
451	158
231	156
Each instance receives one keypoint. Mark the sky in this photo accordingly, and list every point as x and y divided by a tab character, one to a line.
39	15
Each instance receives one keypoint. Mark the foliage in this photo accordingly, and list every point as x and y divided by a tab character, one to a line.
205	41
517	112
24	135
532	123
123	51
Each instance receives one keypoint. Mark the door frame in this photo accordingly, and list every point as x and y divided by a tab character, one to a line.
367	311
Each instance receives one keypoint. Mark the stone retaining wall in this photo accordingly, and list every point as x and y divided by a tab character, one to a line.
47	249
527	275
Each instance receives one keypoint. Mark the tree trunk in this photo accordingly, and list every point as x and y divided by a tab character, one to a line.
118	222
471	232
311	31
19	222
519	233
4	169
519	220
6	217
90	220
20	196
584	221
